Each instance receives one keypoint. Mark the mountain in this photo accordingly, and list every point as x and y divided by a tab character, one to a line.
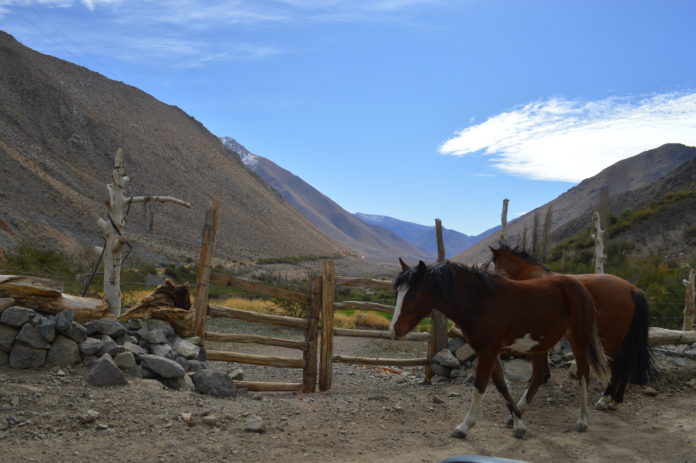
423	236
628	183
60	126
363	239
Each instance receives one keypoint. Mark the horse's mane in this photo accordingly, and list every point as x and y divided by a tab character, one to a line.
522	254
440	277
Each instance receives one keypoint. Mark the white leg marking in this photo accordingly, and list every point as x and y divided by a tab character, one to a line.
605	403
471	417
522	405
401	293
523	344
581	425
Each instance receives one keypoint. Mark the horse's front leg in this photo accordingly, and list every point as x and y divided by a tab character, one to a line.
519	428
484	369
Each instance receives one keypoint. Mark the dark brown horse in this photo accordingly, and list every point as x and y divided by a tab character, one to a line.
622	323
497	314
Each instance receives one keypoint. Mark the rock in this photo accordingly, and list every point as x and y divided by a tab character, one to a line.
134	348
16	315
153	325
236	374
446	359
439	370
437	400
517	370
89	416
572	369
31	335
91	328
110	327
185	364
7	337
437	379
75	331
649	391
465	353
214	383
23	356
156	337
174	383
162	350
91	346
4	358
186	349
110	347
255	424
161	366
6	302
195	365
468	379
47	328
125	360
133	324
104	372
212	420
459	373
101	427
64	352
453	344
64	320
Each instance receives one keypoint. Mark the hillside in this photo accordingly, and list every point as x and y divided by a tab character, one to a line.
361	238
572	209
60	125
423	236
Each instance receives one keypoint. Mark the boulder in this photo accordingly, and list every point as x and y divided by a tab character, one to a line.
465	353
31	335
104	372
255	424
455	343
214	383
156	336
162	350
91	346
110	327
47	328
74	331
446	359
16	315
7	337
125	360
161	366
23	356
439	370
64	352
4	358
132	347
186	349
64	319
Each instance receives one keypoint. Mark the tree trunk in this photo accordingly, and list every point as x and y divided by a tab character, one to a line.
598	236
688	323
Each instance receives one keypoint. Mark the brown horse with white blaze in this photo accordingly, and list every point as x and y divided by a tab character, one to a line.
497	314
622	322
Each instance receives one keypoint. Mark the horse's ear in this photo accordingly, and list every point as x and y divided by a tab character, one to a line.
404	265
494	251
421	266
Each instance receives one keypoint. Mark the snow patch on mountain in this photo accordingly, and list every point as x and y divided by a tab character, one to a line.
248	158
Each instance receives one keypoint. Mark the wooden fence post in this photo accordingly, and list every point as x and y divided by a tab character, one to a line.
503	222
688	323
438	329
327	322
309	375
200	305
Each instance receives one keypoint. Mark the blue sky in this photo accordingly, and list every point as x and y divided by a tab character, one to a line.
416	109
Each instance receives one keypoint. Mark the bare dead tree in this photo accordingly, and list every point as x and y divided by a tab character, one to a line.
598	237
503	222
689	311
113	229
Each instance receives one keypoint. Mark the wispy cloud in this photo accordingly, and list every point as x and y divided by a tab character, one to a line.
565	140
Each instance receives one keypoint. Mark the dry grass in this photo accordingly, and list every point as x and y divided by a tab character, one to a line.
252	305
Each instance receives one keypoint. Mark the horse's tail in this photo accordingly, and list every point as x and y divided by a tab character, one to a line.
598	361
635	362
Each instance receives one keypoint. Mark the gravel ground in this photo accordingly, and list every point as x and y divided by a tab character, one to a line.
371	414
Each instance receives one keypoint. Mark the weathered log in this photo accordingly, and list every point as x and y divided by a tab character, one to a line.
380	361
228	312
377	334
264	360
168	302
664	337
45	296
261	386
361	305
250	338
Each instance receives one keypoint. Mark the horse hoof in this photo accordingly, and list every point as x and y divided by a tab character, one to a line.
509	422
457	434
519	433
581	427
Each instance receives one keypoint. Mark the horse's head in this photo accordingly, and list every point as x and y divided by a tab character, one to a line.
413	299
515	263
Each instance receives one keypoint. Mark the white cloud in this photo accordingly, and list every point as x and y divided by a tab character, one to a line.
565	140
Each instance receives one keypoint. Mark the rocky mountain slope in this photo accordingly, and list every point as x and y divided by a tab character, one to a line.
423	236
60	125
572	210
360	237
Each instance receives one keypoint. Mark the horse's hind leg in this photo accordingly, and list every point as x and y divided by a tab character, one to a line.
498	376
582	361
484	369
540	370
